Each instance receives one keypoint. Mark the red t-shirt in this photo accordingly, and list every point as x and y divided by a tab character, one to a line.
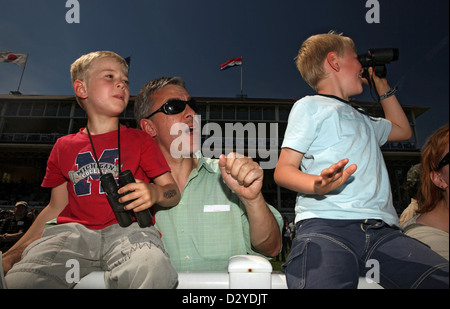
72	160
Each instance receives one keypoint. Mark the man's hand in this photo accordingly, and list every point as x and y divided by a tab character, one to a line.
242	175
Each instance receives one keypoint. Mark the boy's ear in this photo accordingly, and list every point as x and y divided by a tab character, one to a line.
333	61
147	126
80	89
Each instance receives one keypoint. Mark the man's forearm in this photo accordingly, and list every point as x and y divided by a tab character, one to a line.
265	233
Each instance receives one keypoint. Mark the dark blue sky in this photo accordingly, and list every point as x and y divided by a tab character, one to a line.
192	38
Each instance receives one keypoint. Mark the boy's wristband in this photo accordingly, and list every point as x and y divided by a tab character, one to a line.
391	92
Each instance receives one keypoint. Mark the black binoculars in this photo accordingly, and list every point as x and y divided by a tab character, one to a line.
124	217
377	58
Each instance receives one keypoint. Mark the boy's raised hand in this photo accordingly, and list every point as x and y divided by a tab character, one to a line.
333	177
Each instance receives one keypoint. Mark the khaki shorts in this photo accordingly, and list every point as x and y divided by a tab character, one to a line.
131	257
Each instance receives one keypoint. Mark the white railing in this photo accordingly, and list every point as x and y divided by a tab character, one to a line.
244	272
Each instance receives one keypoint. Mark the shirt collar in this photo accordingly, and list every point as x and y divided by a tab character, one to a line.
202	162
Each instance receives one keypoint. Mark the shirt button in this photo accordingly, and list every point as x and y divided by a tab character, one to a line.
182	230
186	257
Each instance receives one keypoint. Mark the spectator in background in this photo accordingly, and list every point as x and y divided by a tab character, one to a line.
292	227
411	186
287	242
5	214
33	214
430	225
13	228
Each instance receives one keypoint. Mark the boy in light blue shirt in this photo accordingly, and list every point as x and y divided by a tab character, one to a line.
344	215
315	123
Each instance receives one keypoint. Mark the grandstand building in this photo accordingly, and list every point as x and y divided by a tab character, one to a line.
30	125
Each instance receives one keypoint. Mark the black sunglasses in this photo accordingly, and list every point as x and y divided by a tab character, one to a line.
175	106
443	162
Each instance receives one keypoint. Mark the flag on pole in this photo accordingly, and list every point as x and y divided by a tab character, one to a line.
19	59
231	63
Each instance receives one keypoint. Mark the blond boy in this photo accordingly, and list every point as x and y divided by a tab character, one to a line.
87	231
344	215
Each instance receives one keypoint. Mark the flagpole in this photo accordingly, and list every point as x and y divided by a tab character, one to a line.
242	68
20	81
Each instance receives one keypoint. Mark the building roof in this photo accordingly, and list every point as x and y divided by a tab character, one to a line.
417	110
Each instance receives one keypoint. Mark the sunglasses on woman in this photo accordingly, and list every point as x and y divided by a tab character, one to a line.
443	162
174	106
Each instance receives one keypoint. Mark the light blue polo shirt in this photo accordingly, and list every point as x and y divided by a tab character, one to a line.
326	130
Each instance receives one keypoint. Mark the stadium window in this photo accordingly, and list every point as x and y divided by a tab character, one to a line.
269	113
202	111
229	112
11	109
64	108
242	112
283	112
51	109
255	113
79	112
215	111
38	109
25	109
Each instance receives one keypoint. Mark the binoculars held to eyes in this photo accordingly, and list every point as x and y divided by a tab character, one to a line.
377	58
124	217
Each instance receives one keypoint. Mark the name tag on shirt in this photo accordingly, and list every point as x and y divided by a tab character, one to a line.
216	208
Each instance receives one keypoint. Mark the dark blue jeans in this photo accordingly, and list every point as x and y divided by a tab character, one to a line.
329	254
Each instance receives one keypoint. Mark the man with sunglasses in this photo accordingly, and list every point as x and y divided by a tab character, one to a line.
222	211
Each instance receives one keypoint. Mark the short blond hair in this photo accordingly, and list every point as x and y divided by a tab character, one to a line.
79	70
313	52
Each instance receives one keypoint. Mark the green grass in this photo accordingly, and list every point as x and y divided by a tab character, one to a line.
276	265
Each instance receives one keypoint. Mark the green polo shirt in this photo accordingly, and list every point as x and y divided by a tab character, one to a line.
209	225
